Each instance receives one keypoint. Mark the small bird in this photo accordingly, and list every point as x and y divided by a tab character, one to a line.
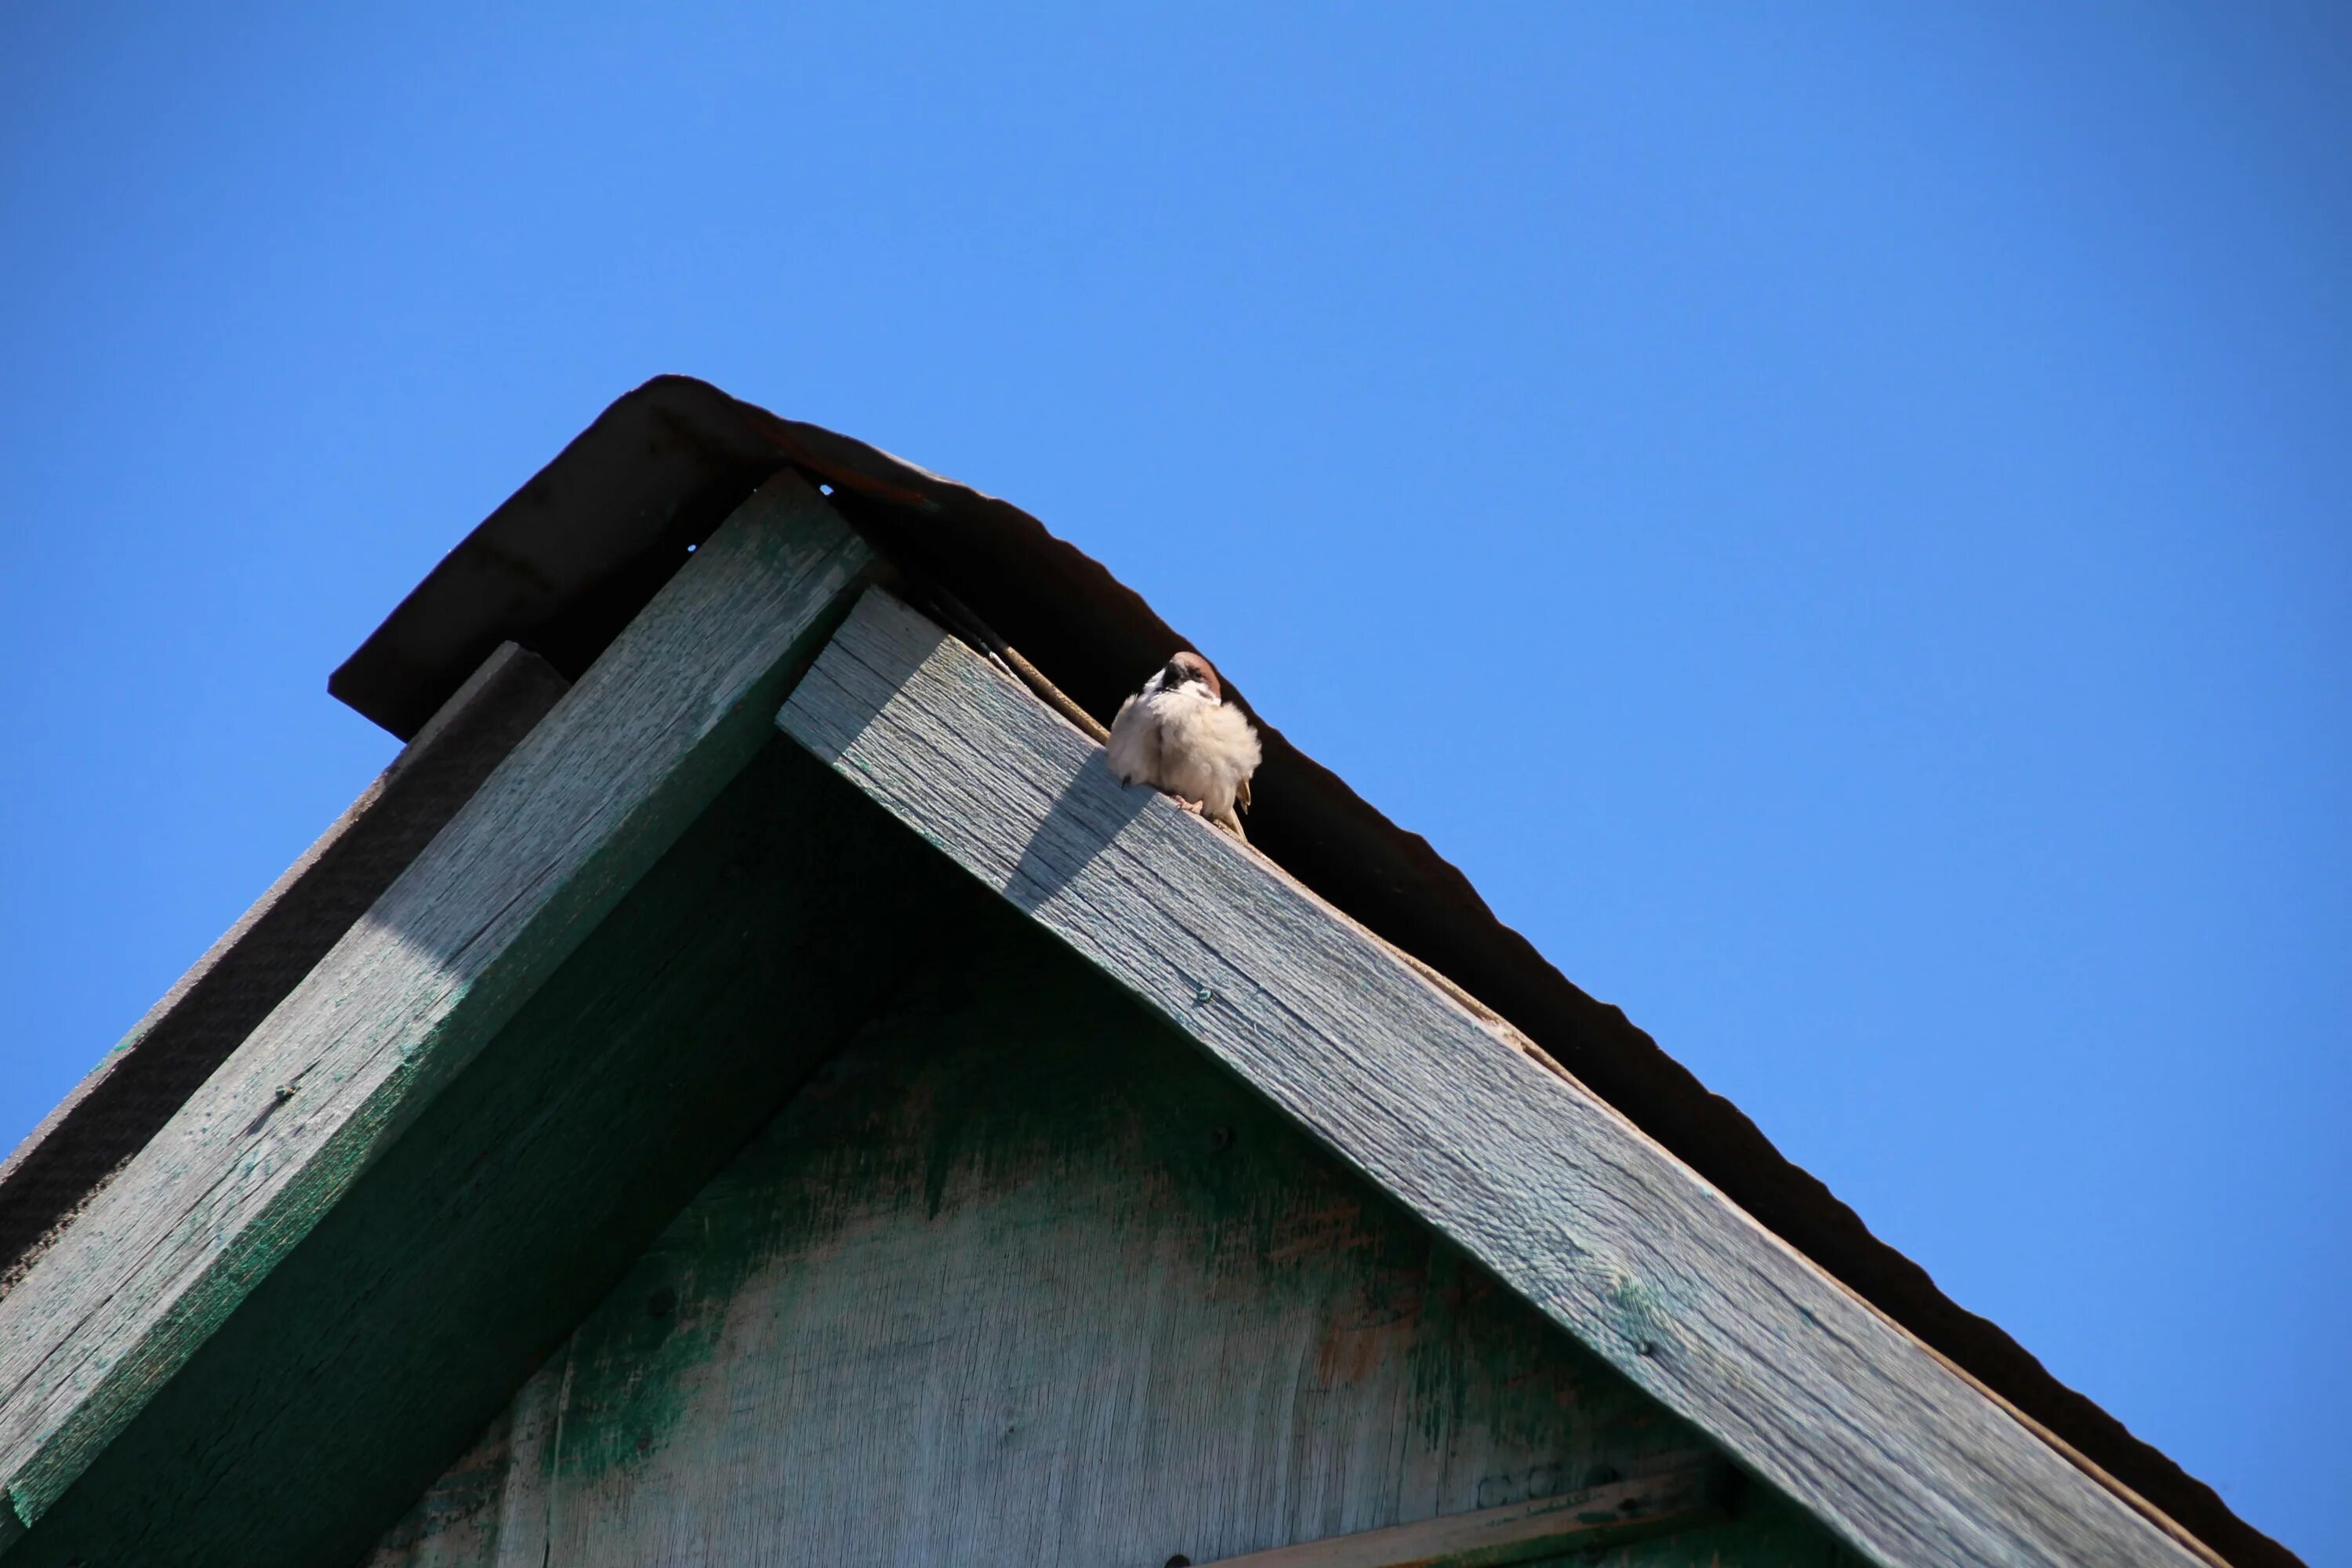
1180	735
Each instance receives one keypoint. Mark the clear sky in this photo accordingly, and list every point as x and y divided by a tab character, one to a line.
1857	500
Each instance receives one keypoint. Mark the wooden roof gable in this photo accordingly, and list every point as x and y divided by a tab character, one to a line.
326	1085
784	619
565	562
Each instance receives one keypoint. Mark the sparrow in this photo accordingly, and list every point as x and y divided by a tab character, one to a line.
1180	734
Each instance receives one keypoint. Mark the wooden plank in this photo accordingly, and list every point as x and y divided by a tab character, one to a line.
1022	1279
1571	1204
1683	1495
407	997
114	1111
383	1343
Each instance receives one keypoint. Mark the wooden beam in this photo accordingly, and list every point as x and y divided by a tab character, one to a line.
113	1112
1568	1202
327	1082
1691	1491
769	934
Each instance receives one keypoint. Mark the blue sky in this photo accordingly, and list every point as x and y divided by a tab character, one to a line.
1862	492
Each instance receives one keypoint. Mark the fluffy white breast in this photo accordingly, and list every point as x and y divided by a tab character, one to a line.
1133	749
1206	748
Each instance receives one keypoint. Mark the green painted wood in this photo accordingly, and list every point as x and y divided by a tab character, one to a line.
1019	1279
382	1345
329	1080
1535	1177
82	1144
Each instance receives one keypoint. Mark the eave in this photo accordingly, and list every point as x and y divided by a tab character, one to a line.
566	560
582	553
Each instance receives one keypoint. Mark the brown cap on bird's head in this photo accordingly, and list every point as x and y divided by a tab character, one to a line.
1190	666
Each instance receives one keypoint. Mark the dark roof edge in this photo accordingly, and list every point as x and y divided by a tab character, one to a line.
63	1164
571	556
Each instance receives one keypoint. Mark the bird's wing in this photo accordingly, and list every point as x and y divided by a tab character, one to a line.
1242	796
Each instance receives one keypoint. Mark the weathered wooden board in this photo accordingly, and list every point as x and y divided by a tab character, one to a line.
1535	1177
405	999
1019	1279
378	1348
113	1112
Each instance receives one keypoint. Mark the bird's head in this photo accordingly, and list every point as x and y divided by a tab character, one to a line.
1187	668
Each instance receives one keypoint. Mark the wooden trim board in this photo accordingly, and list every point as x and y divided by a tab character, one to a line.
1539	1180
1694	1490
113	1112
777	926
561	828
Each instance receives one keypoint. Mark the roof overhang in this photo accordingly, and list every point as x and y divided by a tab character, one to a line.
577	551
582	567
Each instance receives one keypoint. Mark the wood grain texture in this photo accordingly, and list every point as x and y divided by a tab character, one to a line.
407	997
117	1107
1681	1496
379	1347
1537	1178
1021	1280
